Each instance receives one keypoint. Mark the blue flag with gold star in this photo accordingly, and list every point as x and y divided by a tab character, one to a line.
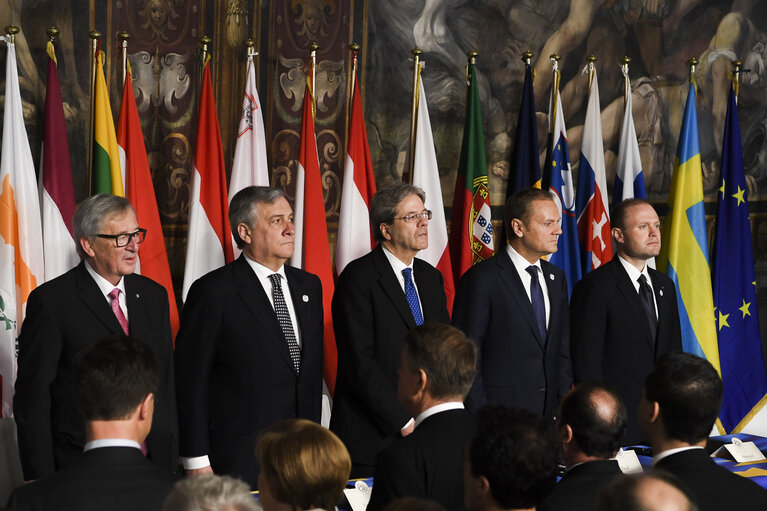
734	286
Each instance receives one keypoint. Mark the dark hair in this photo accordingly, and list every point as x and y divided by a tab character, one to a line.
625	492
446	355
383	205
111	378
242	208
597	417
519	206
90	215
515	450
413	504
688	391
618	214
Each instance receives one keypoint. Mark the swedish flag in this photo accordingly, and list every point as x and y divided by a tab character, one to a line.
734	284
684	247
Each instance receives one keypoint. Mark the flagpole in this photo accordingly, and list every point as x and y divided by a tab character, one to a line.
123	37
736	78
625	61
313	63
354	48
692	62
204	56
554	89
527	58
94	35
591	59
417	52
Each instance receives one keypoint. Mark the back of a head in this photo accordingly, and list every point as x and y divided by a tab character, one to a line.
304	464
656	491
597	418
515	451
111	378
446	355
689	392
210	493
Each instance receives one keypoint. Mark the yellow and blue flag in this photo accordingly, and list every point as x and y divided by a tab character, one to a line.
734	285
684	247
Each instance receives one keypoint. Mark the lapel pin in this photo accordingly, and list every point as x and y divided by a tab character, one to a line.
137	295
660	292
305	298
551	276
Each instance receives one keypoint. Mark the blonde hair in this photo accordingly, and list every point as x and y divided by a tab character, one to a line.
305	465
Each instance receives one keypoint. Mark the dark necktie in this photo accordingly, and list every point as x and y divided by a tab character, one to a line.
283	316
412	296
536	298
645	293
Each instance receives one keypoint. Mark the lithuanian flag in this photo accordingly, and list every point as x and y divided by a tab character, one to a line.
106	175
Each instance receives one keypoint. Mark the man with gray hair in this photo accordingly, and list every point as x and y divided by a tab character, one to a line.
210	493
378	298
99	297
249	351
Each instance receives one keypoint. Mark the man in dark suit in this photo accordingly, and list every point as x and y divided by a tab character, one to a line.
378	298
436	371
99	297
620	327
249	351
514	306
114	383
590	426
679	406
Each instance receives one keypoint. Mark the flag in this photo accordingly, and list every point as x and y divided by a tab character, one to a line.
139	190
249	167
21	240
560	182
312	232
354	231
684	247
596	246
426	176
57	194
471	234
734	288
629	180
106	174
209	242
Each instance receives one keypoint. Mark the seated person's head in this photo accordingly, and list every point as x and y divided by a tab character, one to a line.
303	466
681	399
511	460
652	491
210	493
115	380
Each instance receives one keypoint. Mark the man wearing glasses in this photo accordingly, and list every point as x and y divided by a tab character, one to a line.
378	299
99	297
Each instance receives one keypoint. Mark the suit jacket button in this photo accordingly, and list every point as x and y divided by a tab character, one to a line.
542	389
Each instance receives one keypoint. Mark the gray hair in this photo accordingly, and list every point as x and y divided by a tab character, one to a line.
91	213
242	209
210	493
384	204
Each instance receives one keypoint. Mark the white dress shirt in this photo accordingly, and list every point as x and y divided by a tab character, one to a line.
398	266
111	442
634	277
442	407
106	287
669	452
521	264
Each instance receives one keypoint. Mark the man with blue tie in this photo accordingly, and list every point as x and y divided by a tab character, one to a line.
379	297
514	306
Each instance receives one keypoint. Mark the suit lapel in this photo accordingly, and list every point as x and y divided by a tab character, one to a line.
391	286
629	292
554	290
138	316
300	301
661	300
91	296
510	278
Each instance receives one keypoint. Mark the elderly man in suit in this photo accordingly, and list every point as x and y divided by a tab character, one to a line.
624	314
249	351
378	298
114	383
436	371
99	297
514	306
679	406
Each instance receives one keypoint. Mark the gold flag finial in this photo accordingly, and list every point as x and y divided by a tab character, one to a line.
250	48
12	30
692	62
53	32
736	77
527	57
472	56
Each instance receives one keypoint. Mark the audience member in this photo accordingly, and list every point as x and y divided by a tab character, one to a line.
514	306
414	504
680	404
656	491
99	297
210	492
436	371
510	461
590	427
378	298
303	466
249	351
114	383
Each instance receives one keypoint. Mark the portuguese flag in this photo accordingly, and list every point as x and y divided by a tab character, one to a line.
106	175
471	234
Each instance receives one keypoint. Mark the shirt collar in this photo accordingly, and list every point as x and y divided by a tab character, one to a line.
633	272
111	442
262	272
104	285
669	452
442	407
520	263
395	263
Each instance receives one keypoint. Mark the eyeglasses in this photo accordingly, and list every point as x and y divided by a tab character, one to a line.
124	238
413	217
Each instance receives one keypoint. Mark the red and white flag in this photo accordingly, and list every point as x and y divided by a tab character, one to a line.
209	242
21	239
57	194
139	190
354	235
426	176
250	166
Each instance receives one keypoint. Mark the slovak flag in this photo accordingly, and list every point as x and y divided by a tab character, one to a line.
596	246
629	179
